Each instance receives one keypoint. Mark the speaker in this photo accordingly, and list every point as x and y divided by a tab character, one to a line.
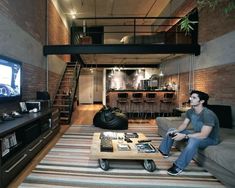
43	95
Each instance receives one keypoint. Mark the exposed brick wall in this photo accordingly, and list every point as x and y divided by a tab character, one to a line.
34	79
217	81
57	32
29	15
214	23
53	82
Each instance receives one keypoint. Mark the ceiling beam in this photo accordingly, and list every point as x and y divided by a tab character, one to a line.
128	17
121	65
122	49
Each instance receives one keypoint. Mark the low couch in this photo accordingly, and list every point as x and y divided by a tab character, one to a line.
219	159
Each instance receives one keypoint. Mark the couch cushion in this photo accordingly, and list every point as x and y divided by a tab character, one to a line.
170	122
223	153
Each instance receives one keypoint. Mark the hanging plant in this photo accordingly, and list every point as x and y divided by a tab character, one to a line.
230	7
186	25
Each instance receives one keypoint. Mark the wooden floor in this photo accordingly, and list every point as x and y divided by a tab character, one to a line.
82	115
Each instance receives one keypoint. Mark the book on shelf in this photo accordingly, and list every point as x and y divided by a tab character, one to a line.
7	143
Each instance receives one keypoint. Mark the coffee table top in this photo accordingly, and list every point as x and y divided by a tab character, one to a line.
133	153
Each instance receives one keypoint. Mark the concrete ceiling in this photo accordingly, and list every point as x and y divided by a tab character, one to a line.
72	9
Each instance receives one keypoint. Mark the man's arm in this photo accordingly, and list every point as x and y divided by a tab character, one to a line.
181	127
205	131
184	125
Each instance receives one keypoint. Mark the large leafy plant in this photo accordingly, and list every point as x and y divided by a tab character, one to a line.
186	24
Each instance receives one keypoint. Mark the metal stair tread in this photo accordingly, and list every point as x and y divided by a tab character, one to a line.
64	118
64	112
61	105
62	100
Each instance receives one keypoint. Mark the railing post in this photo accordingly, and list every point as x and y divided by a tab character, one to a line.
134	29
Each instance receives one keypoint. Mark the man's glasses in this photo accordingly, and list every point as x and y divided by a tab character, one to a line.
190	98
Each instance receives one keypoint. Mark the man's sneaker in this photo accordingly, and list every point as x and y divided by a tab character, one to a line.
163	154
174	170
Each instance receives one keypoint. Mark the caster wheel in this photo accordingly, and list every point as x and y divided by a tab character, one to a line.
104	164
149	165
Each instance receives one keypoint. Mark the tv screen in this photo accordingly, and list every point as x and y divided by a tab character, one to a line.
10	79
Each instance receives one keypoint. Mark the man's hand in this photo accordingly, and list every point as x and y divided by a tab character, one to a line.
172	131
179	136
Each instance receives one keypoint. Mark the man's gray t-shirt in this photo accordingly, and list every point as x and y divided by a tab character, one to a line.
205	117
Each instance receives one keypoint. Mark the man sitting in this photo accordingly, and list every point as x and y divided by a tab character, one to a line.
205	132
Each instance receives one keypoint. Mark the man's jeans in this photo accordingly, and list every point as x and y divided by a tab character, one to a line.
193	144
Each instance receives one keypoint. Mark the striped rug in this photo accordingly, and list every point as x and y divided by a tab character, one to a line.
68	165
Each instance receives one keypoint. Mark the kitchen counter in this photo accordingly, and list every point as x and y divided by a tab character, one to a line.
141	90
112	97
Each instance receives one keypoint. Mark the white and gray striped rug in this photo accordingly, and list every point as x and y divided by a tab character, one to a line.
68	164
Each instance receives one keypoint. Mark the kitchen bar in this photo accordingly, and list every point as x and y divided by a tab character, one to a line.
142	102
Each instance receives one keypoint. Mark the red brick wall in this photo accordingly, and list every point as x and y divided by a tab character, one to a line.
57	32
53	83
29	15
217	81
214	23
34	79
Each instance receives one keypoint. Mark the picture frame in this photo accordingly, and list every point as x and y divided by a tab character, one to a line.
23	107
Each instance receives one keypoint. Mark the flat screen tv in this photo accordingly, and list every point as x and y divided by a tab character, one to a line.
10	79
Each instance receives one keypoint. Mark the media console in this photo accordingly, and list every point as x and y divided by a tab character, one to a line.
22	138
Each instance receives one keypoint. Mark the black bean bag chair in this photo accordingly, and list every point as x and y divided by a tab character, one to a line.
110	118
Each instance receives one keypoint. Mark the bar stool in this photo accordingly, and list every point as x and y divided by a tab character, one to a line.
123	102
165	104
137	104
150	102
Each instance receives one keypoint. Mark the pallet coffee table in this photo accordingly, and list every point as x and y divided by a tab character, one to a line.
122	150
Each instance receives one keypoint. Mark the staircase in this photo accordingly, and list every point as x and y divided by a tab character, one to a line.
64	98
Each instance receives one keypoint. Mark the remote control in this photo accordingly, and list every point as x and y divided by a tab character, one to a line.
172	134
128	140
140	141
